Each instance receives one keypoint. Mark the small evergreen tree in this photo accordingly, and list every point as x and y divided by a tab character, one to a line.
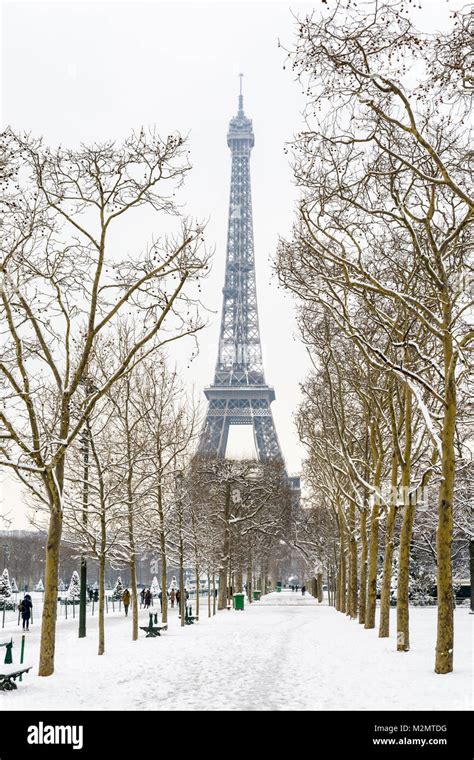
61	585
39	586
173	584
118	589
14	586
155	586
5	586
74	590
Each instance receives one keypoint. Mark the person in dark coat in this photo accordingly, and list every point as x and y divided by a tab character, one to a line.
303	590
96	595
147	598
160	597
177	598
26	607
126	600
142	595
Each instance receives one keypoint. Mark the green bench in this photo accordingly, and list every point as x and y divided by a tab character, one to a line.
189	618
152	630
9	672
8	677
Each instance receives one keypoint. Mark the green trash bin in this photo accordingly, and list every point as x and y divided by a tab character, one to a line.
239	601
278	588
257	595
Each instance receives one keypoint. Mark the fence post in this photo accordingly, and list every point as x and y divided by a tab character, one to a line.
3	616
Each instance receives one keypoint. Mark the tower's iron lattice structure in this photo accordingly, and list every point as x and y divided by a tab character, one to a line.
239	394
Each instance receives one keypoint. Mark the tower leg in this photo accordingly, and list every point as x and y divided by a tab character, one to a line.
266	440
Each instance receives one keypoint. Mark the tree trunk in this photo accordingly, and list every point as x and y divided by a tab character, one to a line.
471	571
101	649
164	563
239	582
182	591
377	458
445	632
352	585
363	565
197	591
403	615
164	580
320	587
224	569
50	600
208	595
341	576
384	624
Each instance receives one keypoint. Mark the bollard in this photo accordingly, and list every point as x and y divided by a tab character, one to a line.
93	602
3	616
22	652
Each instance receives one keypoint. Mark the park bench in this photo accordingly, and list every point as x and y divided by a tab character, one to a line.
9	672
189	618
8	676
153	630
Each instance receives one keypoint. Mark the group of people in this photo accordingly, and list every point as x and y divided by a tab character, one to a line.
93	594
296	588
147	598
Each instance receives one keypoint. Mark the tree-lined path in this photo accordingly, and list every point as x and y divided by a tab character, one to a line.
284	652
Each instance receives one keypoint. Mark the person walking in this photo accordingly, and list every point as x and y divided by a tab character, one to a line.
26	607
142	596
147	598
126	600
303	590
177	598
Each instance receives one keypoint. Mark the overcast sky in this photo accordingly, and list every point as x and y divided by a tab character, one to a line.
89	71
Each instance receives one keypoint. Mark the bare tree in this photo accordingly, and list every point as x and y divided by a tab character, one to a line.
65	286
385	221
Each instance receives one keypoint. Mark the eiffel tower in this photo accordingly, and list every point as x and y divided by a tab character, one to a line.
239	394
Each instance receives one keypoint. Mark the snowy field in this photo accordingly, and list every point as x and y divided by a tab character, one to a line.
284	652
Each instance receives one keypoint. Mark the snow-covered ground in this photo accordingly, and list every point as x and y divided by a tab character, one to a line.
284	652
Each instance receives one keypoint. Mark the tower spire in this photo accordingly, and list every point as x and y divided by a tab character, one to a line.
241	97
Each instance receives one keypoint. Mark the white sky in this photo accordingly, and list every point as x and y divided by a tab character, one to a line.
90	71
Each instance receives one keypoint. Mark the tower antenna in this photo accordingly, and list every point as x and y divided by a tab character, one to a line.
241	97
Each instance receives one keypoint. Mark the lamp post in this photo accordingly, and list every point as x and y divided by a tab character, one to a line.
182	592
85	438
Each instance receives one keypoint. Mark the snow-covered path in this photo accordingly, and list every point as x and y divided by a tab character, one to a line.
284	652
